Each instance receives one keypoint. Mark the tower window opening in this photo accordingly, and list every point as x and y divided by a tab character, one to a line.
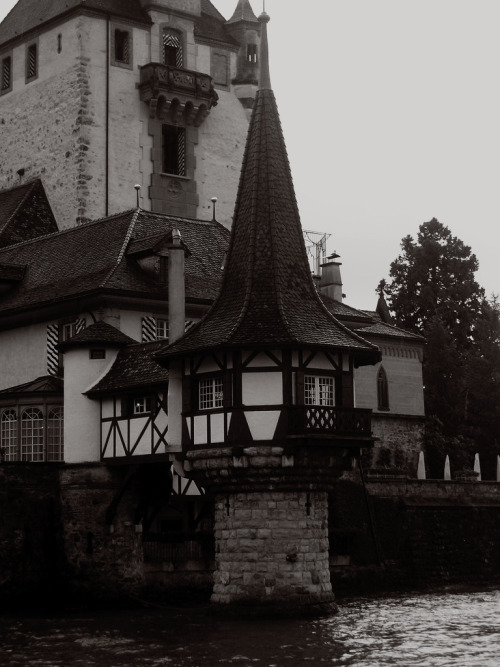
252	53
32	62
122	46
6	73
172	49
174	150
382	390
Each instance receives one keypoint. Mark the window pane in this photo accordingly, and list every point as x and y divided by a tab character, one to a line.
122	50
55	435
319	390
32	435
8	435
211	393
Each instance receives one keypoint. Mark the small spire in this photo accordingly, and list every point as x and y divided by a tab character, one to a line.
265	77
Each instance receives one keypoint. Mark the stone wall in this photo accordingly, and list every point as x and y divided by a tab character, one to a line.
400	439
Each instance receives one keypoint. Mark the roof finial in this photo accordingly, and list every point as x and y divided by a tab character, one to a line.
265	77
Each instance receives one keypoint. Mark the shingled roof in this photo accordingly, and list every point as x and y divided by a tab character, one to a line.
92	259
243	12
25	213
268	296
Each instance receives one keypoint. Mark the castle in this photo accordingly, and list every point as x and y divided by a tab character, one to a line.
120	121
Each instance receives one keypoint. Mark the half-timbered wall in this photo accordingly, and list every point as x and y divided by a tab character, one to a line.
128	433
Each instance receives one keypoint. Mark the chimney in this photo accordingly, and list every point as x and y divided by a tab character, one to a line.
331	280
176	325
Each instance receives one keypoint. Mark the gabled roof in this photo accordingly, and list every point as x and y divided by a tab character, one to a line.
29	14
134	367
211	25
92	259
25	213
268	296
47	384
383	330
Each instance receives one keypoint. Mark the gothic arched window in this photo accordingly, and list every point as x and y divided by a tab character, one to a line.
382	390
172	48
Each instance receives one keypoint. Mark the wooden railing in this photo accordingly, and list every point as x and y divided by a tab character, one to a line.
314	419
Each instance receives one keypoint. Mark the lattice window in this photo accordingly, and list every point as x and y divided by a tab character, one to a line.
55	434
122	46
32	62
211	393
161	329
319	390
174	150
382	390
172	49
8	435
6	73
32	435
142	405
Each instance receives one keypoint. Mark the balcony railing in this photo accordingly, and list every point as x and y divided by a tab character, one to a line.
176	92
335	421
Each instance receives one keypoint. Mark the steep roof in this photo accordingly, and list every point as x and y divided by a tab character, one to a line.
29	14
92	258
98	333
243	12
268	296
135	366
25	213
211	25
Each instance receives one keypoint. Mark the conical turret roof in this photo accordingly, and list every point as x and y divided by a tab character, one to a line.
243	12
267	296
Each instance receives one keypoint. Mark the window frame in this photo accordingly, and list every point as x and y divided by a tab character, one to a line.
179	150
383	403
9	443
123	30
7	58
319	399
179	50
33	44
213	399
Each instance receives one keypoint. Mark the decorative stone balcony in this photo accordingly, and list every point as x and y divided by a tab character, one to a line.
176	94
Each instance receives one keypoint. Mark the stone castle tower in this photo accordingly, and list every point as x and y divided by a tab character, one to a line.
97	97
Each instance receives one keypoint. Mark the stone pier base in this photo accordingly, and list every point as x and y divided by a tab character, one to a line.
272	552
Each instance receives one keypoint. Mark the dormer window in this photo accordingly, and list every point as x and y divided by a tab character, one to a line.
211	393
319	390
172	48
32	61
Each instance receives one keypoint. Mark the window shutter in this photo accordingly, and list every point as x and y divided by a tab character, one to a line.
52	351
148	329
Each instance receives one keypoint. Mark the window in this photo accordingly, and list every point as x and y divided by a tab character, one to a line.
6	74
32	435
252	53
172	48
98	354
211	393
161	329
31	62
59	43
319	390
382	390
122	46
174	150
8	435
55	435
142	404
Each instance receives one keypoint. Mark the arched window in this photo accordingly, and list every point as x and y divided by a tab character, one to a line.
32	435
382	390
172	48
55	435
8	435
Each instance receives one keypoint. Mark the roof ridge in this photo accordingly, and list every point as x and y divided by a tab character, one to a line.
123	248
29	190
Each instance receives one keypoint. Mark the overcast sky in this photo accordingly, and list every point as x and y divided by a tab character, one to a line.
391	112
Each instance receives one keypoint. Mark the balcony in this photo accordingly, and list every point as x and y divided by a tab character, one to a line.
330	422
177	95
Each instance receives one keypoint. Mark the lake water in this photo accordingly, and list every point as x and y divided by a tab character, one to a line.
441	629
